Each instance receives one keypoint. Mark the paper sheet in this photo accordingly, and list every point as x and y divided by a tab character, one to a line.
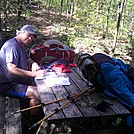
55	79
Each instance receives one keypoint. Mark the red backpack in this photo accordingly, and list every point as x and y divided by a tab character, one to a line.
51	48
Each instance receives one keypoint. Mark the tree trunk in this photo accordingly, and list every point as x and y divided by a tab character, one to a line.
97	14
123	16
67	9
107	18
5	15
61	4
71	9
48	10
20	4
119	15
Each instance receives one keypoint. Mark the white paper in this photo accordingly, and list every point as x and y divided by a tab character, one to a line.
56	79
39	78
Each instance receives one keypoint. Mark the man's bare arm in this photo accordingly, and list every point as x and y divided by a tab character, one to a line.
12	69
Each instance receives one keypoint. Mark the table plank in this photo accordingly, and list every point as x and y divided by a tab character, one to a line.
46	95
87	111
70	111
114	109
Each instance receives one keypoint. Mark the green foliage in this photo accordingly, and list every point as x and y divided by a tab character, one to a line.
91	23
68	39
131	40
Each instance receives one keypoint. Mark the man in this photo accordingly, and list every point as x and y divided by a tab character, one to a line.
17	69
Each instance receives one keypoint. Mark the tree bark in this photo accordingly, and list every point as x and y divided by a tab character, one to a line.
71	9
107	17
48	10
61	5
119	15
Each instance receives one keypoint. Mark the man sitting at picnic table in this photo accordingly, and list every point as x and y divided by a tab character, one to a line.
17	69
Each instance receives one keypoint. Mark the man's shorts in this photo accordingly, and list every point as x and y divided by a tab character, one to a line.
14	89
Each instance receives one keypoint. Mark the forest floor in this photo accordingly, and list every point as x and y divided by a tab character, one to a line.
48	26
47	29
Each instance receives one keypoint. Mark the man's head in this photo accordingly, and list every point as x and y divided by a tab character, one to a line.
26	34
29	29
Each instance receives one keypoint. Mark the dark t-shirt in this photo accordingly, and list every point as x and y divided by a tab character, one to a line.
12	52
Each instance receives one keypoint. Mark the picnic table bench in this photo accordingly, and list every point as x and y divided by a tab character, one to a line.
9	124
80	110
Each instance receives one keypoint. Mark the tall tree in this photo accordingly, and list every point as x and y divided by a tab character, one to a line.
61	5
107	16
119	15
20	5
71	8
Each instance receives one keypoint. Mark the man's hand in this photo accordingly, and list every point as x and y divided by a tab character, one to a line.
40	73
35	67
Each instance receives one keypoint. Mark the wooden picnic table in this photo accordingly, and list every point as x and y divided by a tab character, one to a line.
83	108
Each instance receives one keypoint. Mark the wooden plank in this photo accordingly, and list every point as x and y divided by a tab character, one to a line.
77	70
87	111
116	107
46	95
2	113
13	123
92	97
95	98
78	81
70	111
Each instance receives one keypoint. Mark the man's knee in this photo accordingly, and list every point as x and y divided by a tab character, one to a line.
32	91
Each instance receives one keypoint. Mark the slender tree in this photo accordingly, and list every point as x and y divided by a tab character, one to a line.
71	8
119	15
61	6
107	16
